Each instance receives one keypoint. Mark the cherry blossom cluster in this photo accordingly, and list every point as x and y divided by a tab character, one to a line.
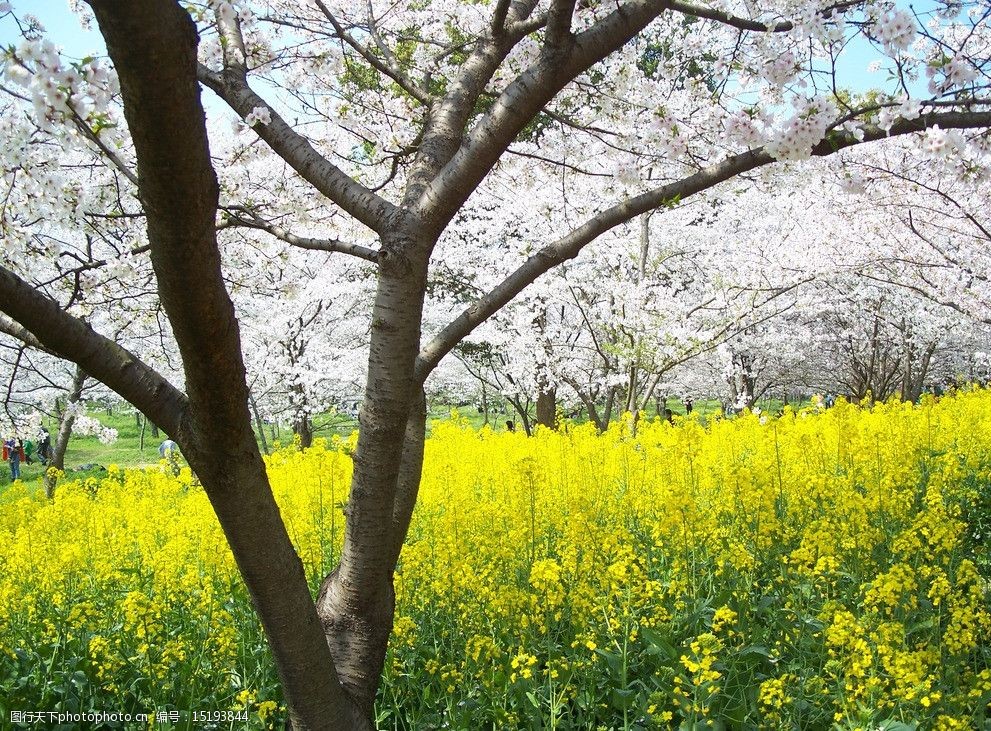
26	426
88	426
946	74
806	127
61	91
895	28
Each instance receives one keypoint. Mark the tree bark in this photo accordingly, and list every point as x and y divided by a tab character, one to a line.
522	410
259	424
410	471
67	417
607	409
153	45
485	404
357	601
916	372
547	407
588	401
303	428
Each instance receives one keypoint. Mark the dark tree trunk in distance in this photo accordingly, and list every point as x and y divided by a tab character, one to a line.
67	417
303	428
259	424
547	408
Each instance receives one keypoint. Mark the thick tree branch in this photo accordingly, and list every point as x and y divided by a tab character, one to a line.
21	334
367	207
232	41
39	322
444	131
558	30
445	126
521	10
837	140
721	16
522	100
498	25
569	246
179	191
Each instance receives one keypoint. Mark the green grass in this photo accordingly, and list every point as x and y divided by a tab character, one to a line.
126	451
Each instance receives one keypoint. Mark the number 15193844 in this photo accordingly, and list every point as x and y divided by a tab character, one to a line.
219	716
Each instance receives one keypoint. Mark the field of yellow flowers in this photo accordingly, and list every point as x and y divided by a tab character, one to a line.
814	571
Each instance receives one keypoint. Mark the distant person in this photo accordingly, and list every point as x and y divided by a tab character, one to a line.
169	451
28	451
13	452
669	415
44	450
830	400
510	425
688	405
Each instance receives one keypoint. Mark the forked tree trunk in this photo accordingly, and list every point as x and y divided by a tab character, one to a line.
329	660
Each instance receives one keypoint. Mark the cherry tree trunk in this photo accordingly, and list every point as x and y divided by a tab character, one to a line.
303	428
593	412
259	424
153	44
485	404
521	410
357	601
916	370
547	407
329	654
67	418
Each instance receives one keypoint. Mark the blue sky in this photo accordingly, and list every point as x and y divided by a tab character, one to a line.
64	28
61	25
